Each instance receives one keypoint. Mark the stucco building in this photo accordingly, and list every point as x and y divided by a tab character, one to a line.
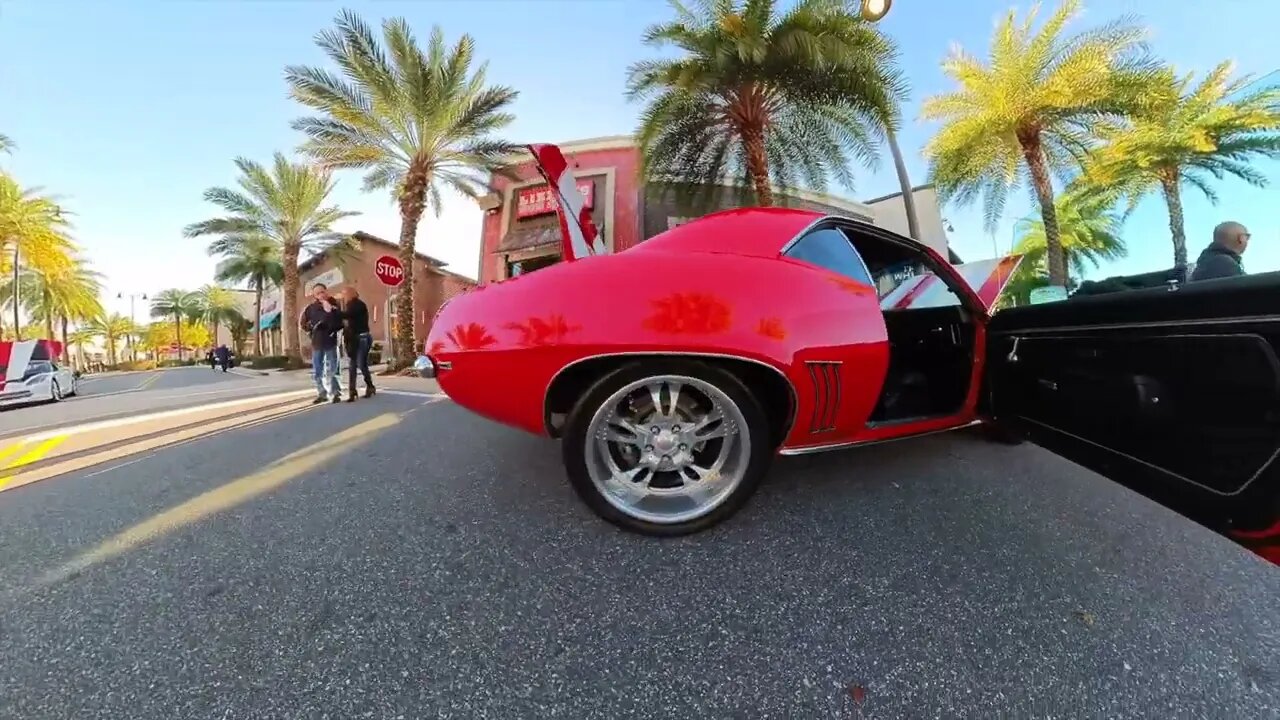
433	284
520	231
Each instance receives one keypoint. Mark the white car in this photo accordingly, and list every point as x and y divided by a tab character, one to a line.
33	381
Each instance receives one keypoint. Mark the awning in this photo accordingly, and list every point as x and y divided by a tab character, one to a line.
527	238
270	320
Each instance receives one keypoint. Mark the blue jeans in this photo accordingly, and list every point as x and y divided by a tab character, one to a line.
324	366
358	354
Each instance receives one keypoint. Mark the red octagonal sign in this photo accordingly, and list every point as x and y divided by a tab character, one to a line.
389	270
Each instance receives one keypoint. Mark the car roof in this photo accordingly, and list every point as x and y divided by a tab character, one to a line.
755	231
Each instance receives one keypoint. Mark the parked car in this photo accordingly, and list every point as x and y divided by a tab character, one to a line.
672	372
31	374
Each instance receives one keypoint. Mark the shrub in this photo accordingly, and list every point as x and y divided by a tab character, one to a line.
268	362
375	353
178	363
134	365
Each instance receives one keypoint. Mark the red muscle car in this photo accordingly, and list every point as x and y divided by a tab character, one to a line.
673	372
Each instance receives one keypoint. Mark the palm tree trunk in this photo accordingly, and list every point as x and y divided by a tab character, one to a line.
289	313
48	311
1177	227
412	203
904	182
177	328
758	165
1055	258
257	316
80	363
66	354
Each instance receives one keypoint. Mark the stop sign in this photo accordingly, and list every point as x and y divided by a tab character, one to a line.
389	270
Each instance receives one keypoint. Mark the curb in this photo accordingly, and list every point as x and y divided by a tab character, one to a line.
134	419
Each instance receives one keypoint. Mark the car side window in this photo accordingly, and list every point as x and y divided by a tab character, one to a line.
40	366
830	248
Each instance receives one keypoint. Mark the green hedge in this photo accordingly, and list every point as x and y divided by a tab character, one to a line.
179	363
269	362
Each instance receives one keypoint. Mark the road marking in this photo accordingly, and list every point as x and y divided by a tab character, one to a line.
12	449
134	419
117	467
32	455
219	431
227	496
149	382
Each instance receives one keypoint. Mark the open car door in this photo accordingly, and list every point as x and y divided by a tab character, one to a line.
1172	392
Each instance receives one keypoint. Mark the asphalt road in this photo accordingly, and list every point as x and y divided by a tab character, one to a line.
430	564
111	396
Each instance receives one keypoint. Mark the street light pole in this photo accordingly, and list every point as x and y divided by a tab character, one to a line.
133	355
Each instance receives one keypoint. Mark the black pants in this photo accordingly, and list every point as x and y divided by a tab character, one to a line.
358	357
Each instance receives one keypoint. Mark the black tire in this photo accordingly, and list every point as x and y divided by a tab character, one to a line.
1001	433
574	439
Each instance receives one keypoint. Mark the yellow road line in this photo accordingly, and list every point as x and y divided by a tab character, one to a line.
149	381
237	492
12	450
33	455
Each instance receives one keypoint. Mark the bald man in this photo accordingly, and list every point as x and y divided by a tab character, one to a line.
1222	258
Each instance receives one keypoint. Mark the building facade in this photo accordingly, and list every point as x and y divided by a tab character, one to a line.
521	233
433	285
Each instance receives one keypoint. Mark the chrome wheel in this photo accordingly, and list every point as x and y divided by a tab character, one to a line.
667	449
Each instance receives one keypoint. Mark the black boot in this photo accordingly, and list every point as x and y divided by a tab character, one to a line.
352	396
319	399
368	390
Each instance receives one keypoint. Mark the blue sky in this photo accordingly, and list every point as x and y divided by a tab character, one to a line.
129	110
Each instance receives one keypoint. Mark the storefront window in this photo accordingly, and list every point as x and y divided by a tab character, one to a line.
520	267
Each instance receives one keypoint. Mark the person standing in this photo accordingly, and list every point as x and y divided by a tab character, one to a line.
223	354
1222	258
322	320
357	340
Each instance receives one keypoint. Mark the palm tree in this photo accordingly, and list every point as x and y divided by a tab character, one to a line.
33	233
763	97
112	329
78	338
1031	110
179	305
416	121
285	204
6	144
66	294
1090	235
217	306
254	260
1186	133
240	328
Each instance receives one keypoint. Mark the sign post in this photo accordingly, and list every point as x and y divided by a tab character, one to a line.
389	270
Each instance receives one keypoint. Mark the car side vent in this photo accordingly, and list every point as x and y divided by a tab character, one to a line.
826	395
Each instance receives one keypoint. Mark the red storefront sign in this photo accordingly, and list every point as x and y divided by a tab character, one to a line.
540	200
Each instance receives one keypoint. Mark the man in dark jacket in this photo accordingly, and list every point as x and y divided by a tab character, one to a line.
322	320
1222	258
357	341
223	354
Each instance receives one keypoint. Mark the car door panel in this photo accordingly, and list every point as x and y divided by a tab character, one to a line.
1173	393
